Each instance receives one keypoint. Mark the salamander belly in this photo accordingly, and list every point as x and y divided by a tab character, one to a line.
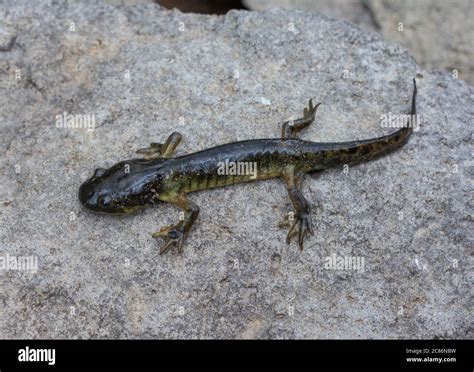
231	164
224	175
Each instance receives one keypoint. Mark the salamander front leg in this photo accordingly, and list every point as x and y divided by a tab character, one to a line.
162	150
177	234
292	127
302	224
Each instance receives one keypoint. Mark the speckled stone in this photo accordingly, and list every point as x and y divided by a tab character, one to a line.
439	33
142	72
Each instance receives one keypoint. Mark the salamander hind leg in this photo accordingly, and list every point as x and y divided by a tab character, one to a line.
292	127
162	150
302	224
177	234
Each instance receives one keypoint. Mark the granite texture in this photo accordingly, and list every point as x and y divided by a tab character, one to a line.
439	33
355	11
142	72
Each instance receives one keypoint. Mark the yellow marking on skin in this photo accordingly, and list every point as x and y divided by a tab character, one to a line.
128	210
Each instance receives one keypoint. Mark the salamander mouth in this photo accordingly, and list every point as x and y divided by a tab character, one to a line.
91	200
92	203
85	193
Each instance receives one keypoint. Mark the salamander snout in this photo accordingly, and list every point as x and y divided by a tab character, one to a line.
88	196
98	199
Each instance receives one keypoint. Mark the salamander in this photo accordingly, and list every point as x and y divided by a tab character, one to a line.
159	175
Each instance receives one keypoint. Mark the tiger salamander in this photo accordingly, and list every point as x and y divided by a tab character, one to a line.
161	176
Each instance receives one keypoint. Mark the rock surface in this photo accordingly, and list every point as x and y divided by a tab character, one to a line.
143	72
439	33
355	11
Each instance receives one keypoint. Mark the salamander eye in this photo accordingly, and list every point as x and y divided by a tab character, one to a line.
103	201
99	172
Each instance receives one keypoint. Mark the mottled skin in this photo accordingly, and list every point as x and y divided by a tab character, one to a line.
136	183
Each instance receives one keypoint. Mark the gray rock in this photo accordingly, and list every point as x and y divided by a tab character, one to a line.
439	33
355	11
143	72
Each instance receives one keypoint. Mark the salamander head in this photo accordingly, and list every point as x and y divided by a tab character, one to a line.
123	188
